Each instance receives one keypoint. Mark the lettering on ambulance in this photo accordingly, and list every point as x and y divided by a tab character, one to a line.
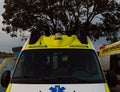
57	88
80	46
37	46
112	48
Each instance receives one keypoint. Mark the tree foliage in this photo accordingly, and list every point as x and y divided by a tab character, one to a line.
98	17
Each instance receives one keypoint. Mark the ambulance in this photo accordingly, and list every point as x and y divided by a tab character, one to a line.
56	63
110	58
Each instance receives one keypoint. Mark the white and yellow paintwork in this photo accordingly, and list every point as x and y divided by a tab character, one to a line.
110	49
51	42
66	42
68	87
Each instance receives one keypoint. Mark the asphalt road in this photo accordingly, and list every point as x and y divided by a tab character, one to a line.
115	89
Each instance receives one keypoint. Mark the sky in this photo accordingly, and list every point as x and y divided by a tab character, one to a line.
7	42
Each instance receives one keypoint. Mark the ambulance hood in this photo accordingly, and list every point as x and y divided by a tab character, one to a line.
58	88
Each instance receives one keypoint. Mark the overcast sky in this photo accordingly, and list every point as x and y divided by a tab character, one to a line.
7	42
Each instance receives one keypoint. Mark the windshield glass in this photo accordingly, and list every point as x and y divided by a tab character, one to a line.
58	66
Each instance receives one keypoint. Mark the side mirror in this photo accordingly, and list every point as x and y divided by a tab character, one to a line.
111	78
118	67
5	78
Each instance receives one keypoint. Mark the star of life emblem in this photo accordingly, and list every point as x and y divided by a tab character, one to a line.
57	88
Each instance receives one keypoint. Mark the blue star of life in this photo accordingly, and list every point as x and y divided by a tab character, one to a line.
57	88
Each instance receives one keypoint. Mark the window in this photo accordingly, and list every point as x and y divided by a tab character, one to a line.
58	66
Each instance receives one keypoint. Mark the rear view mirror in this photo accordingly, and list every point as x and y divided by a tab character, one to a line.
5	78
111	78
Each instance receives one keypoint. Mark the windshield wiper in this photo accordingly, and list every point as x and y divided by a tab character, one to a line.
28	79
22	77
72	80
63	80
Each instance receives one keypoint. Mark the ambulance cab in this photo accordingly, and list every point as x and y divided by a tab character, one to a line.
56	63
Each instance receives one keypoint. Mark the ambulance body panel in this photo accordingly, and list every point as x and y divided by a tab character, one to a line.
59	87
58	64
110	58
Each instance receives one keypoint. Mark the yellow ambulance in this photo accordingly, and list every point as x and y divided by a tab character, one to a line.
56	63
110	58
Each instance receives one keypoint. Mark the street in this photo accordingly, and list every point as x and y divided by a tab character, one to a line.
115	89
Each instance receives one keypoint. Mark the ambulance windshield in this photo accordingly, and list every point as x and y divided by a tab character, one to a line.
58	66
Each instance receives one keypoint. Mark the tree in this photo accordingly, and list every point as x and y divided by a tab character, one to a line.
65	16
111	22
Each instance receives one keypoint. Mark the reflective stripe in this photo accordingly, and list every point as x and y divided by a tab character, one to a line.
9	87
106	87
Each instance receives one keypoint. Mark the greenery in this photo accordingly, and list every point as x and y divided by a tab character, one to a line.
98	17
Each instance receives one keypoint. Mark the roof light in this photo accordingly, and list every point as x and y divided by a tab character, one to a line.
58	36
